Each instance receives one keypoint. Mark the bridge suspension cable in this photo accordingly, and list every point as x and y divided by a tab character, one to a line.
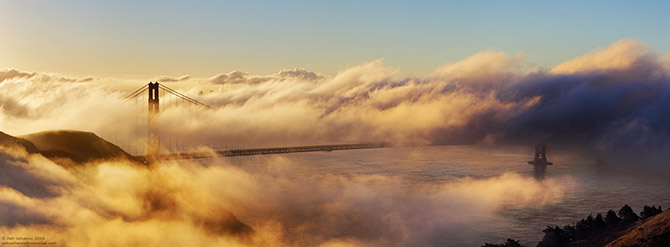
184	97
137	92
177	94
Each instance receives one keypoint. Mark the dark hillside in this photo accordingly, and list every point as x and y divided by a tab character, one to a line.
78	146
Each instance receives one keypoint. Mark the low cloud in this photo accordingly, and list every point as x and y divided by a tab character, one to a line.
300	74
182	203
623	55
236	77
607	101
482	70
106	200
6	74
11	108
239	77
612	102
171	79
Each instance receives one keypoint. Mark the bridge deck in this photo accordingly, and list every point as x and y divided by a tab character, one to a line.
263	151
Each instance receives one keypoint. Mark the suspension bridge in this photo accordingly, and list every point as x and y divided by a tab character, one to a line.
173	149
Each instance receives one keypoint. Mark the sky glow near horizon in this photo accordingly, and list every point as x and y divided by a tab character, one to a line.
141	40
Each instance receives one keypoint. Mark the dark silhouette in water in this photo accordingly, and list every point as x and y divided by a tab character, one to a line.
540	162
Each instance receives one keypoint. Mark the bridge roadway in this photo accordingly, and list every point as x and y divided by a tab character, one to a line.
262	151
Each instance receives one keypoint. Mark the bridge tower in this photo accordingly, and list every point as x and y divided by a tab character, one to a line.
540	158
153	146
540	162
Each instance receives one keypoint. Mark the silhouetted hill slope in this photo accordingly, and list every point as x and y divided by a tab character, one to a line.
78	146
7	140
655	231
652	231
603	238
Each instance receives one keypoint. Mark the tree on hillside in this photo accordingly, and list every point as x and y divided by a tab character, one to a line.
569	232
611	219
588	228
554	237
598	223
509	243
650	211
583	227
627	215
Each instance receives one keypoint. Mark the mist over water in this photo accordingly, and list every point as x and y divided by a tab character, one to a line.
399	196
437	196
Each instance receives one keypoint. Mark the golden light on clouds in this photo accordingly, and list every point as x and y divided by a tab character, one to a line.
607	100
118	203
621	55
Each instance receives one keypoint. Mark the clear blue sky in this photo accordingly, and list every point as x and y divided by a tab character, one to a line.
147	38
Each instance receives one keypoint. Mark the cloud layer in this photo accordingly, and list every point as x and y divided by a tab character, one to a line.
117	203
612	102
608	100
112	204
